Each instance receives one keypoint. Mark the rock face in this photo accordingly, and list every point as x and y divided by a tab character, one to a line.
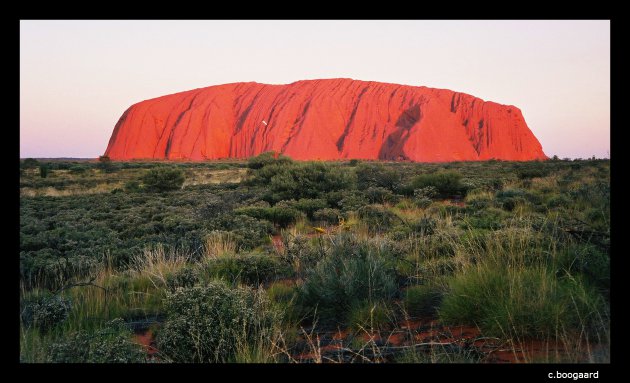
323	120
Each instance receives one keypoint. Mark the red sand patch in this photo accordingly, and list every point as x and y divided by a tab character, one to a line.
396	339
409	333
341	334
147	341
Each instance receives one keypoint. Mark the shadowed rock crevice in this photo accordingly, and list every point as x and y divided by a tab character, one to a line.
392	148
342	139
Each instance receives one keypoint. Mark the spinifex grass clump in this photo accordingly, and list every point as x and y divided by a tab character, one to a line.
351	272
514	285
422	301
527	302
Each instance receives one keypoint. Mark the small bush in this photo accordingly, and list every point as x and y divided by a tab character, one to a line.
298	253
29	163
327	215
184	277
45	312
247	232
559	201
529	173
509	198
310	206
132	186
251	269
447	183
105	164
309	180
351	201
423	226
281	214
490	219
378	194
162	179
424	197
268	158
377	217
479	200
43	170
377	175
213	323
111	344
78	169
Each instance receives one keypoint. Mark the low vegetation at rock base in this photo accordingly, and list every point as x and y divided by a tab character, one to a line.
275	260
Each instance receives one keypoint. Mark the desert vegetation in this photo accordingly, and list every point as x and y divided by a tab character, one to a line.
274	260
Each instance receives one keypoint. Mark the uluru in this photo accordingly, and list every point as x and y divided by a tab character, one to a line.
328	119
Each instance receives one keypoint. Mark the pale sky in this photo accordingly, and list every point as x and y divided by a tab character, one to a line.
78	77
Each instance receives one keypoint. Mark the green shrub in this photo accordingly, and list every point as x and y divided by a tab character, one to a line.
45	311
529	173
111	344
268	158
105	164
447	183
423	226
132	186
252	269
162	179
309	180
476	202
309	206
213	323
299	253
263	176
78	169
422	301
377	217
489	218
29	163
509	198
424	197
378	194
43	170
377	175
185	277
327	215
281	214
350	201
248	232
